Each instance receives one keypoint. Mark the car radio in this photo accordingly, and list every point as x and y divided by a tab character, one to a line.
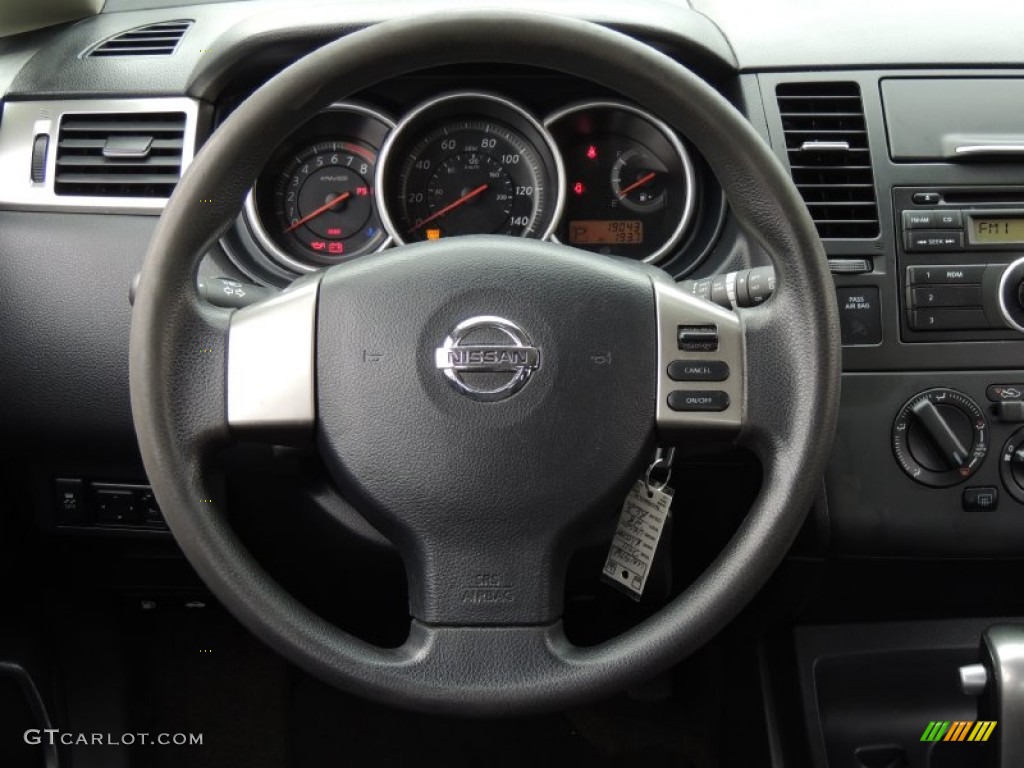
961	262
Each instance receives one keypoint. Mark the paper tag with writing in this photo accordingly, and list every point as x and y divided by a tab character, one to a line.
636	539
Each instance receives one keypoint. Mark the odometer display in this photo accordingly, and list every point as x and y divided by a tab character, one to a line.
469	164
601	231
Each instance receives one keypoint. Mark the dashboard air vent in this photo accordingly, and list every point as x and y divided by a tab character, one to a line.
827	145
151	40
119	154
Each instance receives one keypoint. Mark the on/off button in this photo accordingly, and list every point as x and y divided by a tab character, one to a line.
698	400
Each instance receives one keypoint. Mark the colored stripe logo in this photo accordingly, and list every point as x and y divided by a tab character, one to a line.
958	730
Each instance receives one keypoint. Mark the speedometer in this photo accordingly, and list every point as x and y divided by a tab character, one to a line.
469	164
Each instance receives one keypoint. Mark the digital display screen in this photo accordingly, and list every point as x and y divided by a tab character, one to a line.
602	232
997	230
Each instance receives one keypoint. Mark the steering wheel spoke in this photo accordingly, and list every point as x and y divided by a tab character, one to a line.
271	392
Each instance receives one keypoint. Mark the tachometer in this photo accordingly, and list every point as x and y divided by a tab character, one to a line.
469	164
315	204
324	200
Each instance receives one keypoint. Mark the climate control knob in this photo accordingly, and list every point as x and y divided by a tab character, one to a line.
940	437
1011	465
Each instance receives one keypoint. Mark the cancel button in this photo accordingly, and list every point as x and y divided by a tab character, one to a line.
698	370
703	400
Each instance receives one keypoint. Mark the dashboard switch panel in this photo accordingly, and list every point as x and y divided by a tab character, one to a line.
83	504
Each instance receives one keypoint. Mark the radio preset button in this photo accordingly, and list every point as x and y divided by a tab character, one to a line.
948	319
934	240
926	198
956	274
946	296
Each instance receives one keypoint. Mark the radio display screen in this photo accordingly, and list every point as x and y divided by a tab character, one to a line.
993	230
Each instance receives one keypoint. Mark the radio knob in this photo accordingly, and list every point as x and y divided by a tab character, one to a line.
1011	295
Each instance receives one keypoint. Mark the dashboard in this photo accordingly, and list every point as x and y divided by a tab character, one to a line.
597	173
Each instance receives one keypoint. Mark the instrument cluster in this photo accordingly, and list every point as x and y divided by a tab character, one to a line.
600	175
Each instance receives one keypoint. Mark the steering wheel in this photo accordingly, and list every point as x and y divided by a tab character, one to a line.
483	497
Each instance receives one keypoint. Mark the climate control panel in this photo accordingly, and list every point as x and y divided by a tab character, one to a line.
941	437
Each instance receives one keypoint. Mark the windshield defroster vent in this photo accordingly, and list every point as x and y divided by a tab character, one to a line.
827	146
151	40
119	154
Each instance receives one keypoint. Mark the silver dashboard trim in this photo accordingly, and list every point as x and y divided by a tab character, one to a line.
259	232
403	123
677	147
22	121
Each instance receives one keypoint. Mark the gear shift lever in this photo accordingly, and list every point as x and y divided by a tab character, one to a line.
1001	677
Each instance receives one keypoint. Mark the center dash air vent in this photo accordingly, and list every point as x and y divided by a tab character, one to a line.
151	40
827	145
119	154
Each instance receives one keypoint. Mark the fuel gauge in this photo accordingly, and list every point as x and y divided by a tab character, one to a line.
631	189
639	180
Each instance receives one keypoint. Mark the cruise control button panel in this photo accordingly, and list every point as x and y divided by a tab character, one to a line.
700	361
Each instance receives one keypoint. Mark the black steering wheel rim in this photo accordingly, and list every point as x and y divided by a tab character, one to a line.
178	390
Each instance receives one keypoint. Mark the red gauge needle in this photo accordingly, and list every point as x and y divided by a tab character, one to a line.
318	211
451	206
635	184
